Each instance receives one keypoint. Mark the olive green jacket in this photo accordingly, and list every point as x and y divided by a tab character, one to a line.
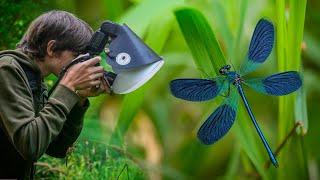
26	135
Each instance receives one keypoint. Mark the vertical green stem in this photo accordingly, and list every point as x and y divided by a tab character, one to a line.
281	52
290	25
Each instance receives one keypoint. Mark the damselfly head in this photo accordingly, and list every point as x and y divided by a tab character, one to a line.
224	69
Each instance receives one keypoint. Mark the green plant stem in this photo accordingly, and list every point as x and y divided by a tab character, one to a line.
289	34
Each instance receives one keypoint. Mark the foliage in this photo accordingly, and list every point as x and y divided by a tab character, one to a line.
89	160
289	40
155	133
15	17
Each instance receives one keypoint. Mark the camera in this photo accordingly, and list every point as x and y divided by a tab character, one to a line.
132	61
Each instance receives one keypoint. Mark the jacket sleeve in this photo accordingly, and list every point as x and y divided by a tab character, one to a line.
70	131
30	135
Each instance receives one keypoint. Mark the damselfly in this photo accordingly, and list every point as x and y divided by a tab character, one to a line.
230	83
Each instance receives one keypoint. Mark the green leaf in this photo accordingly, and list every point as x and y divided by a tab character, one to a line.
159	30
290	26
129	109
301	115
234	163
201	40
113	8
236	45
140	16
220	13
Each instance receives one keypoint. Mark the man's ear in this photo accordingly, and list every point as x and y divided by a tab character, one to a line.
50	47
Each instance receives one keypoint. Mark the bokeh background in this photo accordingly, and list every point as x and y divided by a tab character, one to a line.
149	134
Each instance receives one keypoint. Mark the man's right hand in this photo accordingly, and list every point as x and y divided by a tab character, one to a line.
83	75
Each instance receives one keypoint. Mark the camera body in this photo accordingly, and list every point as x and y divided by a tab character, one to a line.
96	46
132	61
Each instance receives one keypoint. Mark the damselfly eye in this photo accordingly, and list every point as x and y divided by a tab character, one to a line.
222	71
228	67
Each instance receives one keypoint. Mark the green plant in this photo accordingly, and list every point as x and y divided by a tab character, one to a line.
89	160
15	18
289	41
195	38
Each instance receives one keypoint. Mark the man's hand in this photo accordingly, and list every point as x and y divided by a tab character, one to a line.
93	91
83	75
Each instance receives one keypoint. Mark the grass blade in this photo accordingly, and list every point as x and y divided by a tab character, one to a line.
301	110
140	16
234	163
201	40
129	109
290	25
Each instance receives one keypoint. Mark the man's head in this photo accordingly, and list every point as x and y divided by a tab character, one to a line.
55	34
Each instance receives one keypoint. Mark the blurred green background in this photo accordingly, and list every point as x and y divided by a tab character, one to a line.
149	134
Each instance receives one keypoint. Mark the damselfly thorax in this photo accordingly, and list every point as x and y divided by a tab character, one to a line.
232	76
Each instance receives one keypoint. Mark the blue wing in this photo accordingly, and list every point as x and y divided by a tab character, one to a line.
260	46
277	84
196	89
220	121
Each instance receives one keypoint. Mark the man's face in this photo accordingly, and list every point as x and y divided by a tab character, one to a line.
62	60
67	56
55	61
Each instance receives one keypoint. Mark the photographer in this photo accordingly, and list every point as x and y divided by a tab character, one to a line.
31	123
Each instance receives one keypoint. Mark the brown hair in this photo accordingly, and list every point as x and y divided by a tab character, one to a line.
69	32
